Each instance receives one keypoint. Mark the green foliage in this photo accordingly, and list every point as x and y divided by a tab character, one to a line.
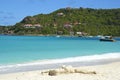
91	21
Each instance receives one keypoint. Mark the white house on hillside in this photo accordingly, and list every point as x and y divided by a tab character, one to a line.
32	26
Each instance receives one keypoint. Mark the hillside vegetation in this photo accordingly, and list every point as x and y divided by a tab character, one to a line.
66	20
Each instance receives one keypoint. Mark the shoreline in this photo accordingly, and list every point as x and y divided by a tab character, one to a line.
109	71
37	35
44	66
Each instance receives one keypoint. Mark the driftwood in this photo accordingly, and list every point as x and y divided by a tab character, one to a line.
84	71
52	72
67	70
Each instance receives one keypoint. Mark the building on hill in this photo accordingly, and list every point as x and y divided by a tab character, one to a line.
60	32
81	33
55	24
77	23
60	14
37	25
32	26
10	32
28	26
72	33
67	25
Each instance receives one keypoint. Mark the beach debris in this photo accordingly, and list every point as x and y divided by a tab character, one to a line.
67	70
84	71
52	72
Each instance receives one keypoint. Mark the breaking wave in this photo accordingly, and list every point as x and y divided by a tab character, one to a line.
42	63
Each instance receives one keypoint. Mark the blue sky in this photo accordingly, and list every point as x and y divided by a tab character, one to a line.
12	11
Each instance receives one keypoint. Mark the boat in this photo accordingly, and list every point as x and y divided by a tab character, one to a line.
57	36
107	38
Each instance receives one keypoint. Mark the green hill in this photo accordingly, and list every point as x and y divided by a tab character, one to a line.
66	20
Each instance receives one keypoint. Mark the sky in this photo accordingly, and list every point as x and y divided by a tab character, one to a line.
13	11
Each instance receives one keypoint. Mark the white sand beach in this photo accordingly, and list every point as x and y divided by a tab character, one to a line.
109	71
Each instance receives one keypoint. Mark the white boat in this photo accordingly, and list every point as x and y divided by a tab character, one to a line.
107	38
58	36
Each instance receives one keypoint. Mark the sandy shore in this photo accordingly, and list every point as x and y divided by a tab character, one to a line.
109	71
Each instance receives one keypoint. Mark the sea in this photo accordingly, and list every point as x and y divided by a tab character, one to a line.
27	53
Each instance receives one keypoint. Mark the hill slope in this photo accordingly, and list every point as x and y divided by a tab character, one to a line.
91	21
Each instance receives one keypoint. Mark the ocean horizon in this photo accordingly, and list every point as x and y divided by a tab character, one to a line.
24	53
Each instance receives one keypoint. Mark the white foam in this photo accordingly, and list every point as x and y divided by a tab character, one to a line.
66	60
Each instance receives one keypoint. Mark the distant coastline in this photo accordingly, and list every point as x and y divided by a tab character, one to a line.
69	21
53	35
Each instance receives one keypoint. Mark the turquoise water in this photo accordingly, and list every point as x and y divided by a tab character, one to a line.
20	49
26	53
